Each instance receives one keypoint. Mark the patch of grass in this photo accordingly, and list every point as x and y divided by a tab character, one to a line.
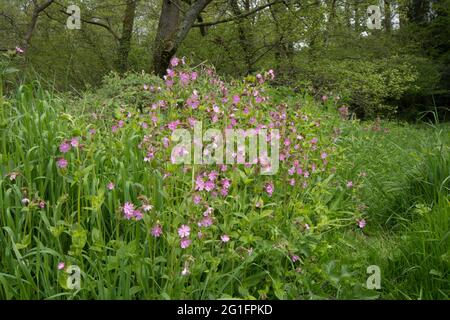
301	242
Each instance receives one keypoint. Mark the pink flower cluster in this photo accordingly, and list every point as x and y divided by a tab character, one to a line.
130	212
210	182
184	232
65	147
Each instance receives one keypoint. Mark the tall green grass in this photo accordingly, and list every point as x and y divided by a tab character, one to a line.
404	187
407	193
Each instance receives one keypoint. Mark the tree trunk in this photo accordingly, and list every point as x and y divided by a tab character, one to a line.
357	18
331	18
348	14
172	31
244	40
418	11
387	16
34	17
164	45
127	33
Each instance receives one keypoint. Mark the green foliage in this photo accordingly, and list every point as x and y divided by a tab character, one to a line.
367	86
82	223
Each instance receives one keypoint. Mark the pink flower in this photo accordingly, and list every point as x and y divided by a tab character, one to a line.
12	176
213	175
343	112
19	50
208	211
307	227
323	155
41	204
194	75
226	183
185	271
295	258
147	207
287	142
174	61
191	122
74	142
199	183
324	98
260	78
165	142
110	186
349	184
197	198
128	210
269	188
193	102
138	215
61	265
62	163
225	238
185	242
184	78
170	73
173	125
224	192
361	223
206	222
209	185
184	231
64	147
156	231
236	99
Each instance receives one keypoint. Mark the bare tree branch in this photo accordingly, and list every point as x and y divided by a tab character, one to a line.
36	11
246	14
107	26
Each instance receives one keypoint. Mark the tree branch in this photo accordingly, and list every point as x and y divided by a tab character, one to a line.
93	22
189	19
240	16
36	11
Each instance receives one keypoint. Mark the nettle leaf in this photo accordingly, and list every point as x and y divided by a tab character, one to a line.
97	240
79	239
57	230
24	243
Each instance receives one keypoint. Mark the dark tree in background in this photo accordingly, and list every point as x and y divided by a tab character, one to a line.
321	46
172	29
127	33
